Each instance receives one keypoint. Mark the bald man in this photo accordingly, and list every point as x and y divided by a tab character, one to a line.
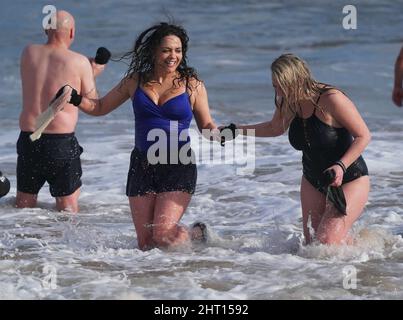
55	157
397	95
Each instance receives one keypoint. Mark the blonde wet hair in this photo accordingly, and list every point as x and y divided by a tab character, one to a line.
295	80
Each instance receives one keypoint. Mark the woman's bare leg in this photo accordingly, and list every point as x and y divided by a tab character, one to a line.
142	208
313	205
168	211
334	227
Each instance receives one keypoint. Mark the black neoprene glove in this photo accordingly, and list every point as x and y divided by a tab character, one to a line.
4	185
103	55
75	97
228	133
328	177
334	194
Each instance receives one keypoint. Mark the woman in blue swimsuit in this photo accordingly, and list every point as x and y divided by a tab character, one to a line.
325	125
165	94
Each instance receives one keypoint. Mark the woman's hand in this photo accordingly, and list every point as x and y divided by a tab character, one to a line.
338	179
228	133
216	134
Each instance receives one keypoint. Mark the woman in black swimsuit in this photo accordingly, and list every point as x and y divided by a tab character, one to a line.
326	126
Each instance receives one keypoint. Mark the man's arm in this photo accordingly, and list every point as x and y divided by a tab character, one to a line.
89	72
24	65
97	69
397	95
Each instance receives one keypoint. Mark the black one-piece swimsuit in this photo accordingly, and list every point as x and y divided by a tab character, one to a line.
322	145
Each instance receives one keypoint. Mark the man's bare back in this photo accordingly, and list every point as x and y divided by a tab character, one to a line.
47	67
55	158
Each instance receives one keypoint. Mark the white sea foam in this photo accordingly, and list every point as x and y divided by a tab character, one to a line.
255	248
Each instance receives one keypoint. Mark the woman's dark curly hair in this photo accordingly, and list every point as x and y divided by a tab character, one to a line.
142	55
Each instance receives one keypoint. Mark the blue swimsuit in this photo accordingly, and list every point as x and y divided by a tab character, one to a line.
171	120
173	117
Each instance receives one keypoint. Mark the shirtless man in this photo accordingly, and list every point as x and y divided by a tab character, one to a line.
397	94
55	157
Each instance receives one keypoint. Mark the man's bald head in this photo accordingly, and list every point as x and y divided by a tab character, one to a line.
64	21
65	26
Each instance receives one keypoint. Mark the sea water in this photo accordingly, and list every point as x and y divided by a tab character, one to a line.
255	248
